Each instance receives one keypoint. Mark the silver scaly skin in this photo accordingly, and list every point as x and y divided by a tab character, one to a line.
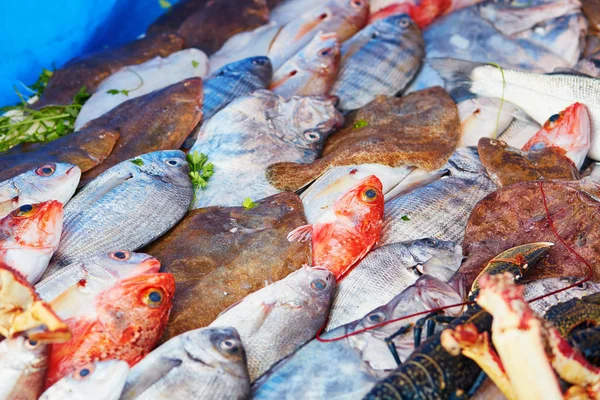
541	287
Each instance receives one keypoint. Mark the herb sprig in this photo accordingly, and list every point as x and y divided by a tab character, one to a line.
249	204
127	91
200	170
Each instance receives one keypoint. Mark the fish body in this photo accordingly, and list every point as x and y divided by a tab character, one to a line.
483	117
276	320
537	94
519	132
128	321
255	131
138	80
344	235
206	363
541	287
100	380
312	71
127	206
344	17
423	12
23	365
381	59
29	236
52	181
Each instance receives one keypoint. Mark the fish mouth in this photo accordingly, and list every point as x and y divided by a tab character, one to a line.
72	170
150	265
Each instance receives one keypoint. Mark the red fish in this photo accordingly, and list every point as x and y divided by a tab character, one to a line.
423	12
568	130
129	321
344	235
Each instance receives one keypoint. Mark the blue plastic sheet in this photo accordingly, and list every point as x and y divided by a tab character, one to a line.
38	34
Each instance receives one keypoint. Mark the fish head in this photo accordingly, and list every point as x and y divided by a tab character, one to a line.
355	14
398	27
35	226
23	354
364	202
260	67
423	12
313	284
56	181
95	380
569	130
169	165
122	263
465	160
426	248
322	54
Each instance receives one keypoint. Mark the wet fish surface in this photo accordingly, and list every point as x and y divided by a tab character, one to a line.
23	365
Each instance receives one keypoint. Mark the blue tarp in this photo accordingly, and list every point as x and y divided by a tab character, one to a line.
40	34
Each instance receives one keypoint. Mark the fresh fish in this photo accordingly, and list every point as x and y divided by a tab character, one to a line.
90	70
423	12
381	59
289	10
29	237
385	272
348	368
343	235
255	131
483	117
542	287
343	17
536	94
312	71
569	131
419	130
52	181
86	149
176	15
207	363
128	321
126	207
100	380
23	365
519	132
138	80
235	252
442	208
276	320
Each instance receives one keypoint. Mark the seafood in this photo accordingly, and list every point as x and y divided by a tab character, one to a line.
235	252
276	320
538	287
482	117
138	80
29	237
387	271
574	314
423	12
128	320
519	132
89	71
52	181
127	207
440	209
506	165
418	130
312	71
343	17
344	235
289	10
175	15
381	59
101	380
587	342
207	363
23	364
257	130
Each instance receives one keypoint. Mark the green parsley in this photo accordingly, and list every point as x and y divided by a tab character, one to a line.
164	4
138	161
127	91
40	85
200	169
405	218
248	203
361	123
195	63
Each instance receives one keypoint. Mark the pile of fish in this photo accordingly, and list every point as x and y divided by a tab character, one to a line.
309	199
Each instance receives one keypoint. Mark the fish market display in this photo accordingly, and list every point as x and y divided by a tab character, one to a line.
276	320
255	131
138	80
29	236
127	206
379	60
23	365
419	130
102	380
208	363
342	236
235	251
52	181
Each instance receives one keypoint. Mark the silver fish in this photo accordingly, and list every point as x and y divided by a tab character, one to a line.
541	287
387	271
126	207
207	363
101	380
381	59
51	181
255	131
348	368
483	117
23	365
276	320
441	209
518	133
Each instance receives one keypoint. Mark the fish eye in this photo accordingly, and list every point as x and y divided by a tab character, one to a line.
374	35
581	285
369	195
376	317
493	142
83	372
554	118
356	3
404	22
312	136
230	346
325	52
26	210
174	162
46	170
323	16
153	298
120	255
430	242
31	344
318	284
259	61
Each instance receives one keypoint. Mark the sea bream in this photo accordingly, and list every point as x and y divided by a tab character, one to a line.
538	95
206	363
51	181
23	365
255	131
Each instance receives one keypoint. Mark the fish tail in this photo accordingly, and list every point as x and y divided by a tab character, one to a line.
456	75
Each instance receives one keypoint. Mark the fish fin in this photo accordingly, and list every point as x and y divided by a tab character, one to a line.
300	234
456	75
150	376
7	206
569	71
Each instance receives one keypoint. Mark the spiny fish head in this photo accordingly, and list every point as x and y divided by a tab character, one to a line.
33	225
170	165
50	180
257	66
323	53
93	380
21	354
436	293
423	249
216	347
364	201
122	263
